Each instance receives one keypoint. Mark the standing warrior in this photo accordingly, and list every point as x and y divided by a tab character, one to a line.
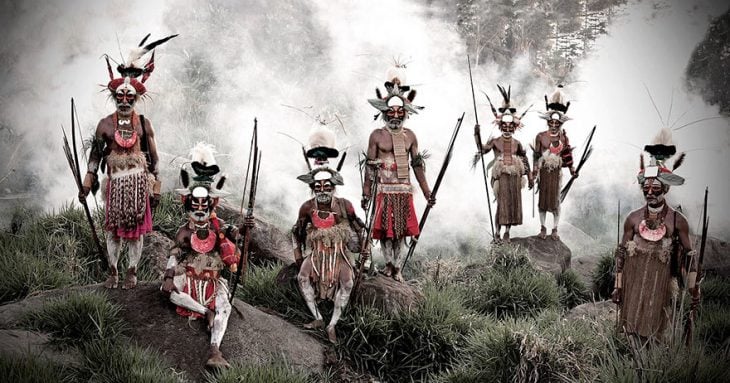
124	146
551	153
510	165
389	151
203	247
655	238
323	229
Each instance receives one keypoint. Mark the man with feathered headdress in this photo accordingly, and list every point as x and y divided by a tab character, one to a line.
124	146
322	236
551	153
388	154
655	237
204	246
510	165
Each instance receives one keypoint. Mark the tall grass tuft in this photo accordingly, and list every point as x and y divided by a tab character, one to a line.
260	288
572	289
113	361
76	319
31	369
603	277
24	274
412	344
543	349
269	373
169	214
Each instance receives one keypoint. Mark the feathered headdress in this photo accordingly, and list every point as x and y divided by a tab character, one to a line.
133	67
398	93
660	151
322	145
322	173
507	112
556	106
205	169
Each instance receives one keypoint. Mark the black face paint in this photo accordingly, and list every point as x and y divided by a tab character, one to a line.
653	192
323	191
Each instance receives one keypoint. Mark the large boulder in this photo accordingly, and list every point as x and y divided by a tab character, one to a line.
387	295
268	243
155	251
253	337
547	254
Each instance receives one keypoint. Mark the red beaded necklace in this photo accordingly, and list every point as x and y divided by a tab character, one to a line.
203	246
119	138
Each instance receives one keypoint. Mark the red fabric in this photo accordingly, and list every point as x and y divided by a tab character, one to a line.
227	251
382	230
210	290
138	86
323	223
143	228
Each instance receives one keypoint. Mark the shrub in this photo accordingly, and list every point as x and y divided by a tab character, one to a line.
712	326
603	277
411	344
716	290
572	289
76	319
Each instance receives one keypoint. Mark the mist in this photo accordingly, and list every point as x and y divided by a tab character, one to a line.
234	61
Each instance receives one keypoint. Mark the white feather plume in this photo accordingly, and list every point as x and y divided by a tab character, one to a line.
135	55
398	72
664	137
322	137
203	153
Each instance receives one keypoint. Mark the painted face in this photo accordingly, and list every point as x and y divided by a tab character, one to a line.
554	123
507	125
125	97
654	192
396	113
323	191
200	207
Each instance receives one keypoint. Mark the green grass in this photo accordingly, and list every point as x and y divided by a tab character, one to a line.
31	369
412	344
119	361
76	319
603	277
169	214
25	274
259	288
573	291
542	349
269	373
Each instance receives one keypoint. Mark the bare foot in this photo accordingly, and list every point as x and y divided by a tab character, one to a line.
331	334
112	281
130	281
215	358
497	240
506	239
388	270
543	232
554	235
397	275
317	323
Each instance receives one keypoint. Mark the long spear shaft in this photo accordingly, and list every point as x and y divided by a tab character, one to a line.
436	186
693	306
479	150
256	154
77	177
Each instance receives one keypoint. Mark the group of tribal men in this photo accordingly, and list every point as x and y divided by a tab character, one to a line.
328	228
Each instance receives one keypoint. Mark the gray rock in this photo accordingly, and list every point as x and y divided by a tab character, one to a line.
598	311
253	337
387	295
547	254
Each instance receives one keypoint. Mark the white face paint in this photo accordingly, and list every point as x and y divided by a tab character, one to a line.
396	114
125	97
323	191
199	212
